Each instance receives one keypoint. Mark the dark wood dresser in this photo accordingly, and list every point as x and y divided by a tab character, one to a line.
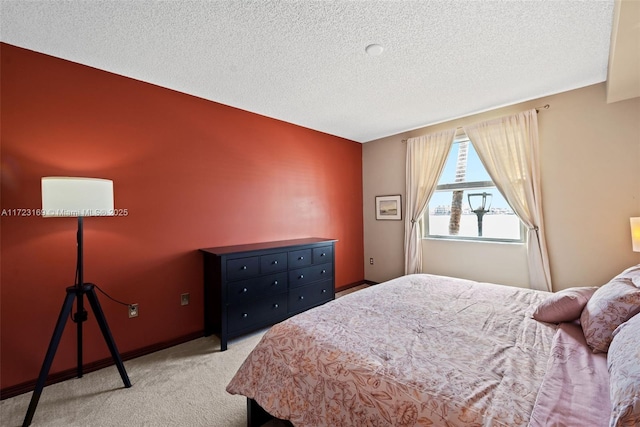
247	287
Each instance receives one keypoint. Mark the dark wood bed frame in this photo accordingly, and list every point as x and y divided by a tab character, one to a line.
256	416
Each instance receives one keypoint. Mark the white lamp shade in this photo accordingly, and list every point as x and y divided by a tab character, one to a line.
635	233
73	197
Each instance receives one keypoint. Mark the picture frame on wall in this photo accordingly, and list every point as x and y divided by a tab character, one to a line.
388	208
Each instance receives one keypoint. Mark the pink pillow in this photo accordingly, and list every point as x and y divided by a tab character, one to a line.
623	361
609	307
563	306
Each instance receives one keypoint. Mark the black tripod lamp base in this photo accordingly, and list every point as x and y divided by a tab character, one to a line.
73	293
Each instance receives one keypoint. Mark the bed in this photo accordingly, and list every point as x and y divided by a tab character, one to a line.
426	350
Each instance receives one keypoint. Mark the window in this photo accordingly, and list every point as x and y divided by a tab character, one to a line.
467	205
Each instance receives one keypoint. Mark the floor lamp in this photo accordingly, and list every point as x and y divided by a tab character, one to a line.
76	197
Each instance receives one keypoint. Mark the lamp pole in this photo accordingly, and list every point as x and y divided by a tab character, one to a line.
481	209
80	315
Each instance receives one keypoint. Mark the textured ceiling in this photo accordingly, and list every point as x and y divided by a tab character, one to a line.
304	62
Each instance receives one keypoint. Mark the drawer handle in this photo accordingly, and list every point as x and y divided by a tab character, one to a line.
323	271
301	276
244	290
301	258
275	306
301	297
275	262
244	267
245	315
275	282
324	291
323	254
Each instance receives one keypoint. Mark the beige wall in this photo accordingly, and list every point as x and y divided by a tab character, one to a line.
590	166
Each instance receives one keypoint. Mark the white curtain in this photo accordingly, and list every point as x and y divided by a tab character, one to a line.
508	149
426	156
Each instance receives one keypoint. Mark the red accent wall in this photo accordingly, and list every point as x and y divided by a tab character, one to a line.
191	173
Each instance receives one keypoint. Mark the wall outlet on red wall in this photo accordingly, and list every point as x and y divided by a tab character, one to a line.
184	299
133	310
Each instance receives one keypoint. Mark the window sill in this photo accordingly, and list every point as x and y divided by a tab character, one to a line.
472	240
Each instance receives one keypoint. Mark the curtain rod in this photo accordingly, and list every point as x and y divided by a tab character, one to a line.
544	107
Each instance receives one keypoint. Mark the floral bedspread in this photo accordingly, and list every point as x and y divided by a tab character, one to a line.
420	350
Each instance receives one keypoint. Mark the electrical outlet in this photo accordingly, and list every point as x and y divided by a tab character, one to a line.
133	310
371	261
184	299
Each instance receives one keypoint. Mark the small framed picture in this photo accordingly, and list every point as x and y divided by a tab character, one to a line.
388	207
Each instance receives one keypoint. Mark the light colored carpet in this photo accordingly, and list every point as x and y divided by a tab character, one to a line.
180	386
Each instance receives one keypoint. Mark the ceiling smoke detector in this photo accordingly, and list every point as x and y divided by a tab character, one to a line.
374	49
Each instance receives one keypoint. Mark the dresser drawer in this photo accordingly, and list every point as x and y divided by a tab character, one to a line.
242	268
299	258
323	254
304	276
246	290
273	262
267	311
304	297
